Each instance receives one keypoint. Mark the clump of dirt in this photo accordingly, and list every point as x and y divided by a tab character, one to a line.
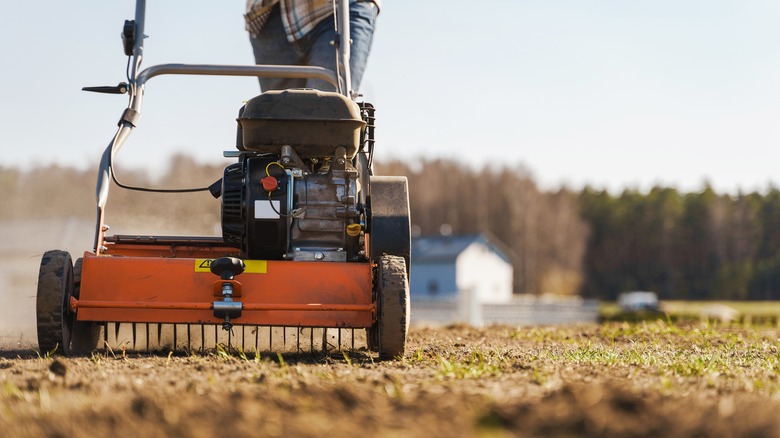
454	381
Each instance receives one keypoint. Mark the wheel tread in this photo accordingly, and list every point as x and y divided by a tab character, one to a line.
394	306
55	272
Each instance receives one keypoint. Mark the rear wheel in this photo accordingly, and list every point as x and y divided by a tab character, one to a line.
389	222
389	333
58	329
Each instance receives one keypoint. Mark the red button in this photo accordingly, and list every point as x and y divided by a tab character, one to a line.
269	183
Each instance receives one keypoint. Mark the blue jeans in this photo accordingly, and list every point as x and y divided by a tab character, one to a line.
315	49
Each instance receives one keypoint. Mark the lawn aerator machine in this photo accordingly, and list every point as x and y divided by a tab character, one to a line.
314	247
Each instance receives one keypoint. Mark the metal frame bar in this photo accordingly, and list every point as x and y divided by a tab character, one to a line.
154	289
260	70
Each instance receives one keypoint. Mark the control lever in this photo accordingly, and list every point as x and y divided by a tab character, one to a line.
120	88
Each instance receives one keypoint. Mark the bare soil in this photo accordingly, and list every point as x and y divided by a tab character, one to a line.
611	380
653	379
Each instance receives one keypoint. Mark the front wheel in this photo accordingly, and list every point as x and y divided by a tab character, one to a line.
391	286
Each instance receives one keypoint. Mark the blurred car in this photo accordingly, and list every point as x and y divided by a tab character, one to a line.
638	300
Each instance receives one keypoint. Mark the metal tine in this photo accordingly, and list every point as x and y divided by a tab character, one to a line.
202	338
137	336
104	327
113	336
116	335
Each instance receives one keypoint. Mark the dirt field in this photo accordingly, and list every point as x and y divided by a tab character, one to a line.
614	380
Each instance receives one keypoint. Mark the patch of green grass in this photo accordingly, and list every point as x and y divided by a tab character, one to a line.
702	354
477	365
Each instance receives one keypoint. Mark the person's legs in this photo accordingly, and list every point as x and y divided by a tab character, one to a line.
271	47
362	17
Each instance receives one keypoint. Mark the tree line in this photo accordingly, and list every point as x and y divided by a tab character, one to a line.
690	246
700	245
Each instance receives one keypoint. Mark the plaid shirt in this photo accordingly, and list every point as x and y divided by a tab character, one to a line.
299	16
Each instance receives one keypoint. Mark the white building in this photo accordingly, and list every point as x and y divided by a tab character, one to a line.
445	266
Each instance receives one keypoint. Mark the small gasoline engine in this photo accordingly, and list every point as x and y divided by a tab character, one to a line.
294	192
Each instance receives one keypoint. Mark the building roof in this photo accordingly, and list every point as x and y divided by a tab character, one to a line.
445	249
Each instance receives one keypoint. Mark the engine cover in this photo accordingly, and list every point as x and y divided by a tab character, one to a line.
254	219
314	122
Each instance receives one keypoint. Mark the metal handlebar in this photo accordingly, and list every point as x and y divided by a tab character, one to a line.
137	79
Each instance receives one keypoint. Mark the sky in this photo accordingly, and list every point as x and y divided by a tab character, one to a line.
613	94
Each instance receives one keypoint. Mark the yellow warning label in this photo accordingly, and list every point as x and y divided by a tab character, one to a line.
252	266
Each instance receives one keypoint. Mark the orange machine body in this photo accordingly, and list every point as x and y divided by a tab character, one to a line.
171	283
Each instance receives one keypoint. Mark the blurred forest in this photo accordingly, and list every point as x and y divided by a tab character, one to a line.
689	246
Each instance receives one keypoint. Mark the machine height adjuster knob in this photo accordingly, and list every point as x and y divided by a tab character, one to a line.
227	268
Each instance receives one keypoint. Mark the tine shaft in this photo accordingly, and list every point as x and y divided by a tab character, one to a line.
105	336
116	333
133	336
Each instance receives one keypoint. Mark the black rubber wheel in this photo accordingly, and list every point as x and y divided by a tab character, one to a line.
58	330
392	293
85	335
55	286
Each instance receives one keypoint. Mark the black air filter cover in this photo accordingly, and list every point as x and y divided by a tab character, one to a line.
313	122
